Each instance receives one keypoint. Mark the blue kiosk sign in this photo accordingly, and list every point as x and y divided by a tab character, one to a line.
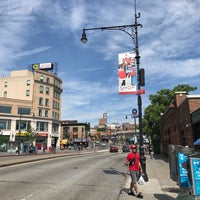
195	170
183	173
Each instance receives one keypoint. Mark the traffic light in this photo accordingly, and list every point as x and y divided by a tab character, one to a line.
142	77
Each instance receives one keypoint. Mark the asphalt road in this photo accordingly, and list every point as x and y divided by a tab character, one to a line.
88	176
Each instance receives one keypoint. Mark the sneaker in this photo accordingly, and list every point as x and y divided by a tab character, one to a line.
131	193
139	195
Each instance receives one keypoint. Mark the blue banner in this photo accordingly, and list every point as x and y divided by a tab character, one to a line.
183	173
195	169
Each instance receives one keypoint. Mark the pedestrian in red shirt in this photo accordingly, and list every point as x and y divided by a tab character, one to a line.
133	161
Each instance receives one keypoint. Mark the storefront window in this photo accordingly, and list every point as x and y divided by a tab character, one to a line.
42	126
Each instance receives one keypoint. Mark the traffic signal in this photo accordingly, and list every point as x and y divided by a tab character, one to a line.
142	77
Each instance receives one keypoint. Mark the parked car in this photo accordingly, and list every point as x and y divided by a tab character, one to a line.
113	149
125	148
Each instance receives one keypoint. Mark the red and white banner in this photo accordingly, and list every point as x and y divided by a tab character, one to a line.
127	73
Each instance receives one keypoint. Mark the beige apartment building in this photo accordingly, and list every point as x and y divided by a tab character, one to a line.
30	98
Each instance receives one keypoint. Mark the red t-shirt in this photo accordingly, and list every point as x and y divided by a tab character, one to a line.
132	155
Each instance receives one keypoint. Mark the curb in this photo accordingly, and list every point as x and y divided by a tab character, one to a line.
38	157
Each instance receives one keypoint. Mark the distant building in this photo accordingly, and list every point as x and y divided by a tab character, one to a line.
31	98
103	121
128	126
75	133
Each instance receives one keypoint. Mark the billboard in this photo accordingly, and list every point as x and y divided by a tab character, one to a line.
43	66
127	73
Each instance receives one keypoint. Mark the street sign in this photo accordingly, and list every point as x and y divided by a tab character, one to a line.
134	111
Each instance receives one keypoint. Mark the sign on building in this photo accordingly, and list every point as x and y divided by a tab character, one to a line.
43	66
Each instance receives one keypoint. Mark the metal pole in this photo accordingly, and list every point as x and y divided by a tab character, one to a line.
135	123
19	137
137	57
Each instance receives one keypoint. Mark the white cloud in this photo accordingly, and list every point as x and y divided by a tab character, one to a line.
51	29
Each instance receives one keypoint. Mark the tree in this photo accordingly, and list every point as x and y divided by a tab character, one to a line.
159	103
31	135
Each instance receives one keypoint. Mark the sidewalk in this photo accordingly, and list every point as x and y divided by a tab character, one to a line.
159	186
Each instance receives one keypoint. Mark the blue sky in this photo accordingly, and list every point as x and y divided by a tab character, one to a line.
38	31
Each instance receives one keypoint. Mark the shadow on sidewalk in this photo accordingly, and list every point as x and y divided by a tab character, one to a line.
155	196
163	197
114	172
161	157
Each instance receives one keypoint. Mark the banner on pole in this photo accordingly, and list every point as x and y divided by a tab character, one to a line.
127	73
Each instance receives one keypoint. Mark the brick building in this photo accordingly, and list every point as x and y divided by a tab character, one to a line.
176	122
75	133
196	124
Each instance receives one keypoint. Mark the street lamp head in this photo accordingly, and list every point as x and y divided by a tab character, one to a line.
84	38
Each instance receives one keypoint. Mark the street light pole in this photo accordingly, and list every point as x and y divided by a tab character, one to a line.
19	137
132	31
134	117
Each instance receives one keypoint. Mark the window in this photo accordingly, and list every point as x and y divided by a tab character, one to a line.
42	126
5	109
28	82
47	90
40	112
75	129
24	111
47	102
5	94
6	84
57	83
56	105
55	128
40	101
5	124
22	124
48	79
41	89
56	94
41	78
46	113
27	93
53	115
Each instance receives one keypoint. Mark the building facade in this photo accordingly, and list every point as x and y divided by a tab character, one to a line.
31	98
75	133
176	122
196	124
